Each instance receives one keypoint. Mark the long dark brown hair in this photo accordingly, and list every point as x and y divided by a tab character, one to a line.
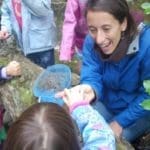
43	126
119	9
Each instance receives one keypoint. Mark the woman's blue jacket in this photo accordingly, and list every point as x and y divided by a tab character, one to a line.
119	85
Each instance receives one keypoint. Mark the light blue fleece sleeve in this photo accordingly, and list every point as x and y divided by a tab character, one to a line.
38	7
96	133
5	17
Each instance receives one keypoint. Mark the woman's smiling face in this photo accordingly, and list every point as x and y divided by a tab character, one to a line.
105	30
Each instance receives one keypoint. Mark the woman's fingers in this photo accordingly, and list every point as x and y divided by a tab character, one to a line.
60	94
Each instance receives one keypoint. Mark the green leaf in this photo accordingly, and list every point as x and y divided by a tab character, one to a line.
146	104
145	5
146	84
147	11
3	134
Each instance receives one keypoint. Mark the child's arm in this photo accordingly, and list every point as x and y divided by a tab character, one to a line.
6	27
38	7
95	131
67	47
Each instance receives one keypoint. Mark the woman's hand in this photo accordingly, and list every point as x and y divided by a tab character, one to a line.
73	96
13	69
116	128
88	92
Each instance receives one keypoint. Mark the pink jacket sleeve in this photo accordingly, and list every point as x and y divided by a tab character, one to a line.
67	47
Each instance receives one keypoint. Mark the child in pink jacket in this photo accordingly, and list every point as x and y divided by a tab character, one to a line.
74	29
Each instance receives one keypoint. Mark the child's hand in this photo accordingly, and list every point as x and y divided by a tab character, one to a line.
88	92
4	35
73	97
13	69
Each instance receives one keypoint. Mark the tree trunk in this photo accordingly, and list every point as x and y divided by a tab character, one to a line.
16	94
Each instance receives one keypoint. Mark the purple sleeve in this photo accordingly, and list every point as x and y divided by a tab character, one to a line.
3	74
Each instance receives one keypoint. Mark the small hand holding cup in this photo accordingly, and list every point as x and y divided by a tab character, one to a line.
13	69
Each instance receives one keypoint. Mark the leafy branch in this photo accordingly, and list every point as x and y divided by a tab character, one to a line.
146	7
146	103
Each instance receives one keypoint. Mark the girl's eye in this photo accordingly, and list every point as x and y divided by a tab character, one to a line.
106	29
93	30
